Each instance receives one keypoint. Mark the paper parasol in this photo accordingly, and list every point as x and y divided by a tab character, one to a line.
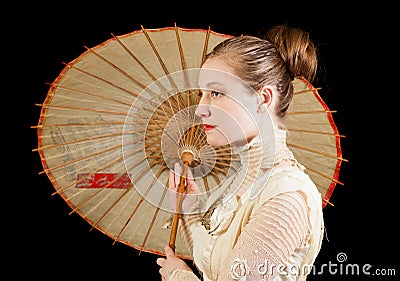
118	115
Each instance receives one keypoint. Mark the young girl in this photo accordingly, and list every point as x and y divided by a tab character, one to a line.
266	221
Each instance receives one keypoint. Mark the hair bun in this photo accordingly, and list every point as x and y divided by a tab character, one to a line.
296	49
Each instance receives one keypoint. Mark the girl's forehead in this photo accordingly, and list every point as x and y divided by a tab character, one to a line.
213	77
222	81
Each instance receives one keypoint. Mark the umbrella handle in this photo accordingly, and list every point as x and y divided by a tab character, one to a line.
187	158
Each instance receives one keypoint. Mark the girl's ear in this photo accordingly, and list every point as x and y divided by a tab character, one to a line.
264	98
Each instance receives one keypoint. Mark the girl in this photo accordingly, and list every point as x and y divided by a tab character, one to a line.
266	221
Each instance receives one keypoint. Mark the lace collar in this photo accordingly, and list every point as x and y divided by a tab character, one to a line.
261	156
270	150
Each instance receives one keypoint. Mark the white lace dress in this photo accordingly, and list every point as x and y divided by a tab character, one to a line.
268	226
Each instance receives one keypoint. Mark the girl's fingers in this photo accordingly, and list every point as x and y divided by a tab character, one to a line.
171	180
174	177
168	251
177	170
161	261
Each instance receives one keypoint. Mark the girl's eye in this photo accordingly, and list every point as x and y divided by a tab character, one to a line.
216	94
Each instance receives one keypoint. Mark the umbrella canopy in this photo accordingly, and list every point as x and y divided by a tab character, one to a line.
118	116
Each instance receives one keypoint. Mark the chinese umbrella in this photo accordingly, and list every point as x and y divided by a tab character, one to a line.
119	115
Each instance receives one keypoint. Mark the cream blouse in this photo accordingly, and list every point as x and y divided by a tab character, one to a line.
268	226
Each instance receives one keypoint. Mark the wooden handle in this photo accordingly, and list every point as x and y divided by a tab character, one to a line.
187	158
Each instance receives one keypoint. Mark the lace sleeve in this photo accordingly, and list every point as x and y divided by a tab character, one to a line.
278	227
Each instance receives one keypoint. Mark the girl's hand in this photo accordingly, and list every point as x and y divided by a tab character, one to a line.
190	193
169	263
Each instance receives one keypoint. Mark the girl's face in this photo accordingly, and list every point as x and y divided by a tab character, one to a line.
227	107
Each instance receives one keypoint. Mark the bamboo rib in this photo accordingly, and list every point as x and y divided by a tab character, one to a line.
205	48
182	131
314	132
199	139
311	112
151	224
111	163
90	124
215	175
95	224
96	137
124	73
102	168
83	124
120	197
77	160
99	190
128	104
191	135
107	98
160	60
183	61
138	205
206	185
166	115
173	103
317	152
74	183
324	175
306	91
222	155
145	69
217	167
227	159
327	201
88	109
161	128
133	94
221	149
156	211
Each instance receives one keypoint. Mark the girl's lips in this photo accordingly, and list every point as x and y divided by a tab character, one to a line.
208	127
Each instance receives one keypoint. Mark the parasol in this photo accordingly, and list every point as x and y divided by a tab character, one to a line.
118	116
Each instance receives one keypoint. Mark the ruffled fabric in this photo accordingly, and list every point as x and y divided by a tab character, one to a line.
266	172
266	245
183	275
255	156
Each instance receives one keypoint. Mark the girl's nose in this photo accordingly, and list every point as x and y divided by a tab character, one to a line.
202	109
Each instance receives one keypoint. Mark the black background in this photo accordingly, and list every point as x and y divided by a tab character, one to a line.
42	241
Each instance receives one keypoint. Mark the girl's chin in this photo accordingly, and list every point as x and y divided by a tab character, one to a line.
216	141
